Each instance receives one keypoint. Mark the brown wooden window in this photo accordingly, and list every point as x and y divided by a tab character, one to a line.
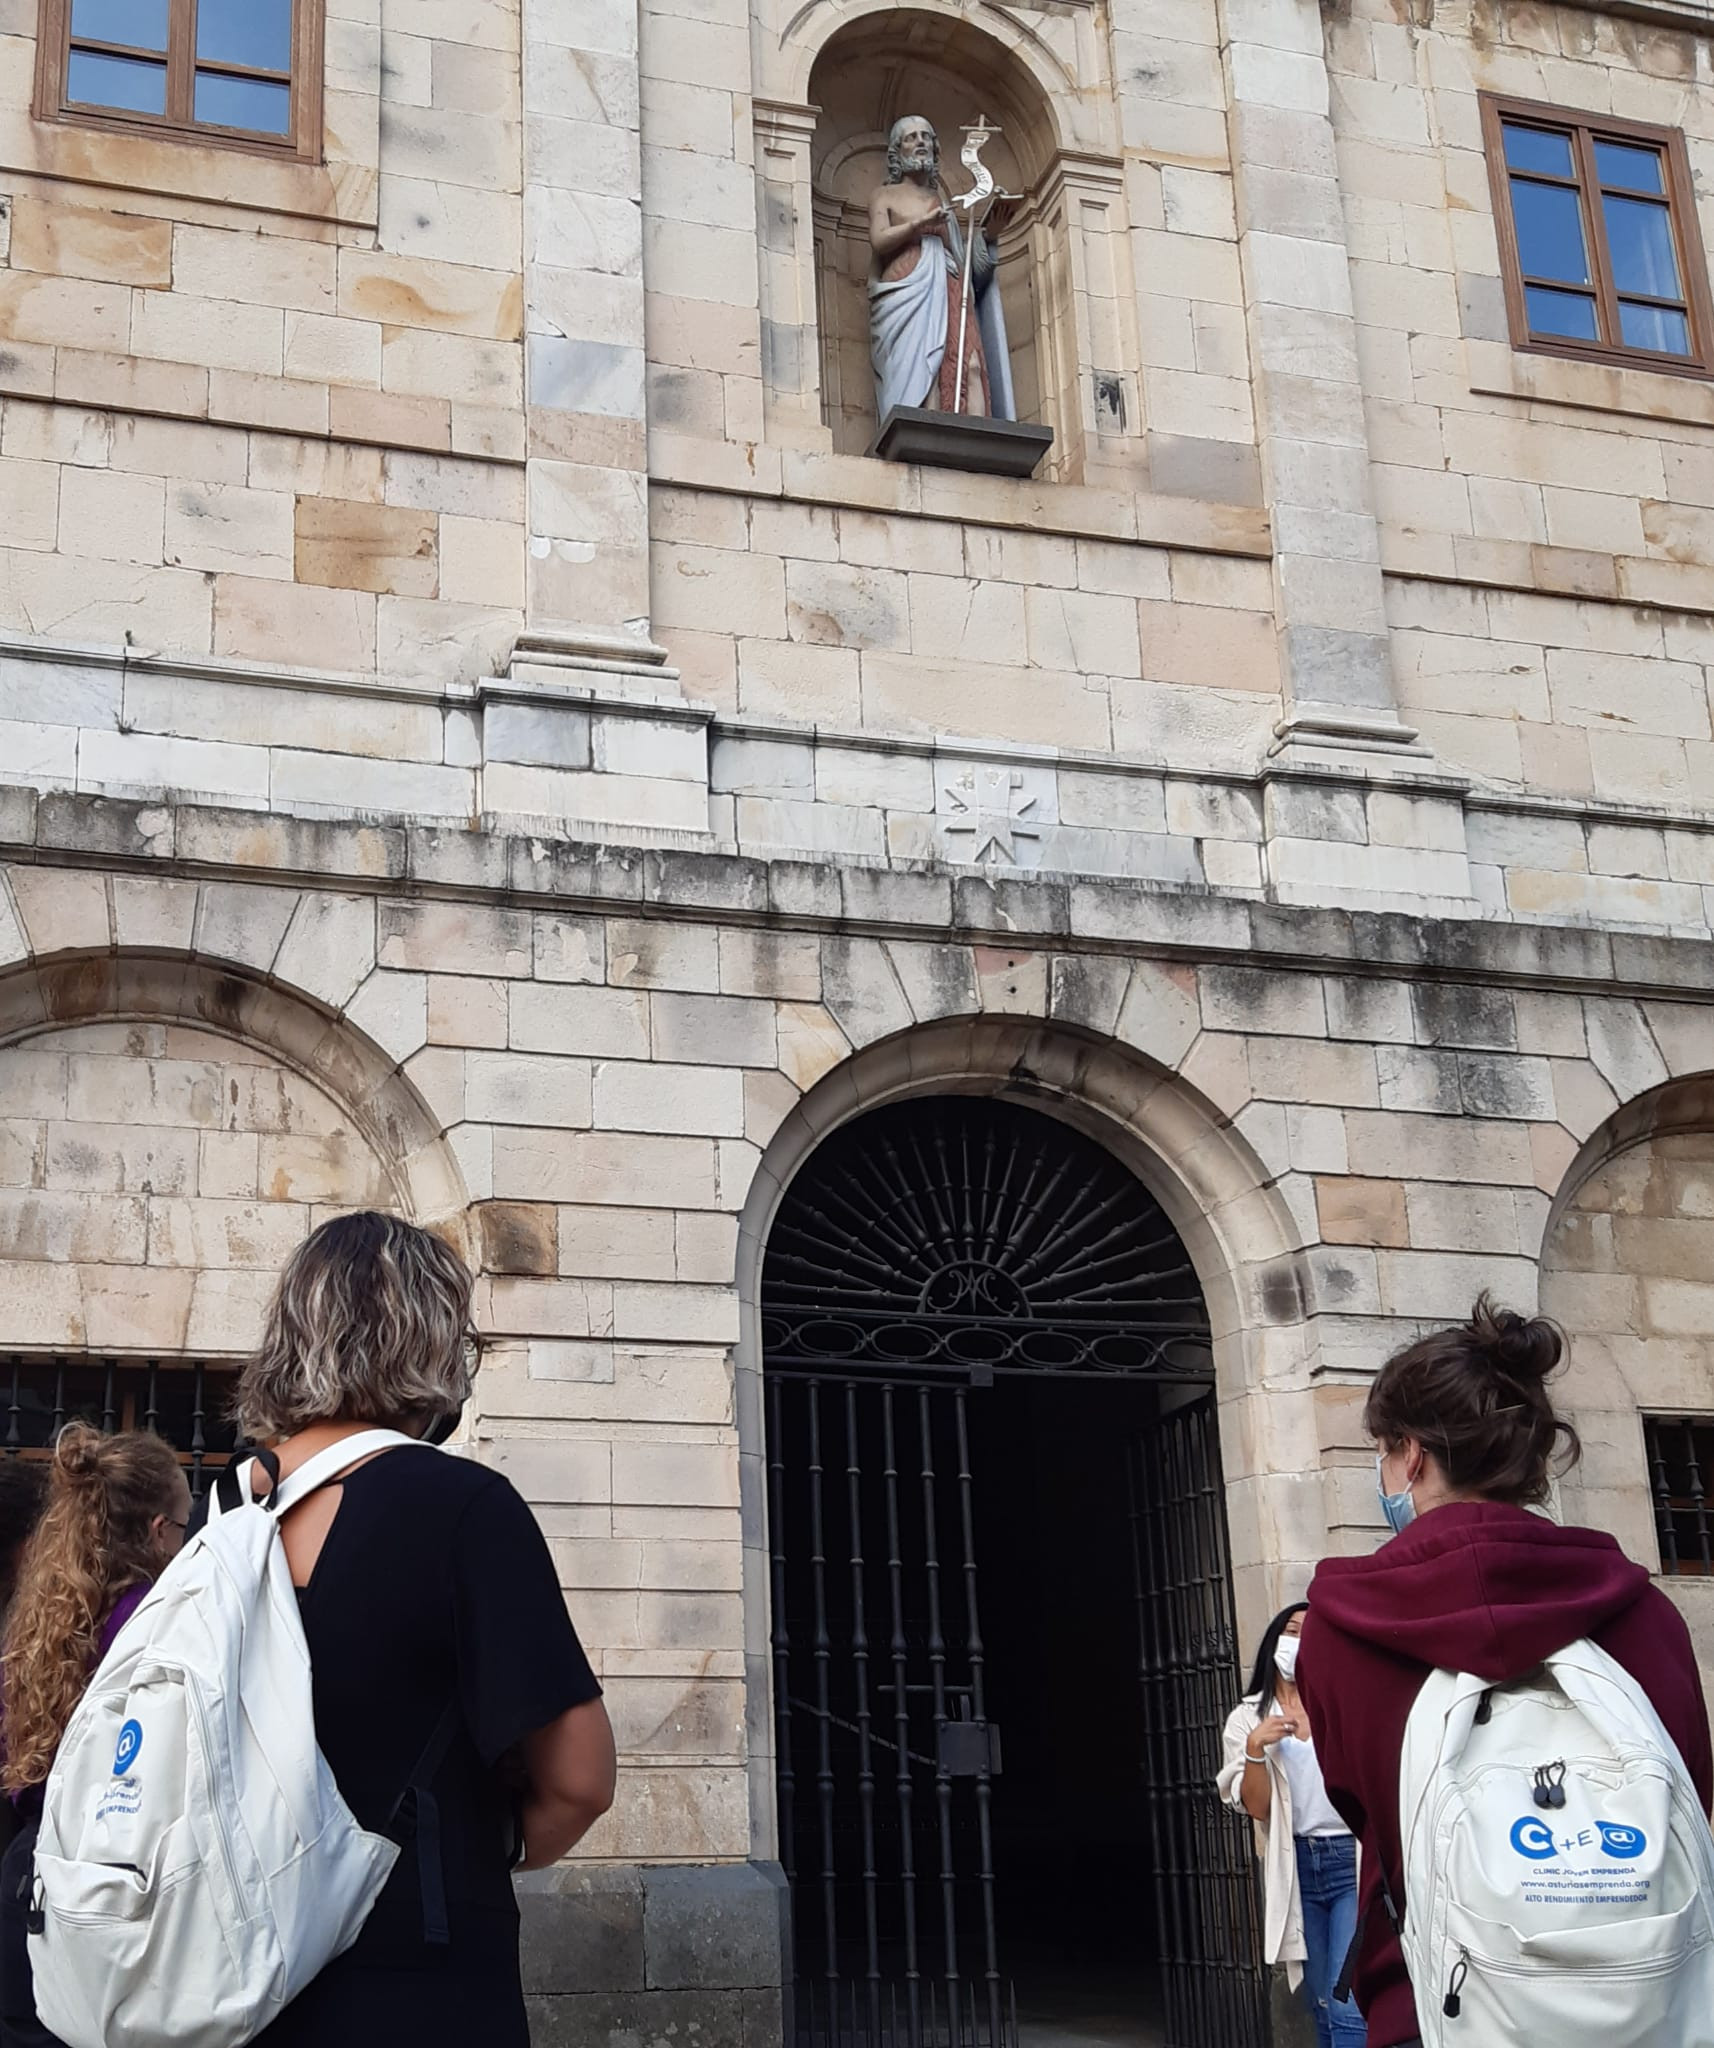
243	72
1598	237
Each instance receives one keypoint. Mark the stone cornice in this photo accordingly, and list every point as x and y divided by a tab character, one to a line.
1036	912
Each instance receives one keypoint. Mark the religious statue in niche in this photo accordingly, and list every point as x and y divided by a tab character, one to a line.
937	330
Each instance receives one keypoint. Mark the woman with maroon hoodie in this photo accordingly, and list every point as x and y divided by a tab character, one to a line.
1467	1440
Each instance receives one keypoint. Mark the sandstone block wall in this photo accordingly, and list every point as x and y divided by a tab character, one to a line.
600	1071
1544	522
267	409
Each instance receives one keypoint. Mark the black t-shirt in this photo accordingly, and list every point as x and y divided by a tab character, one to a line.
434	1582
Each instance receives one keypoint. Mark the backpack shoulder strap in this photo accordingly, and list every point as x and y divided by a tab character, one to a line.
1611	1698
234	1487
418	1794
326	1466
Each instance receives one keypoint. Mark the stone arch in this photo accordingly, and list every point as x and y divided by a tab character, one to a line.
1217	1193
838	75
808	31
169	1129
1628	1271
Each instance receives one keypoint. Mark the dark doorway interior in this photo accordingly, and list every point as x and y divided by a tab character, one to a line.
1075	1863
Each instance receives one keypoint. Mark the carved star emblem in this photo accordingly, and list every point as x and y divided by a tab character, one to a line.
988	806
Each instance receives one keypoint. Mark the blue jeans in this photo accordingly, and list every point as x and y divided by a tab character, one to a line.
1327	1885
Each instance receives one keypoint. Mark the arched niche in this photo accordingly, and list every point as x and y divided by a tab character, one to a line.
1064	275
170	1129
1628	1273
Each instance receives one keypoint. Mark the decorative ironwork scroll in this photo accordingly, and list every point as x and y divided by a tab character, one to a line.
966	1235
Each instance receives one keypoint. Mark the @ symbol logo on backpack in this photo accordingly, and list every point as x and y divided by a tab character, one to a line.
130	1744
1536	1840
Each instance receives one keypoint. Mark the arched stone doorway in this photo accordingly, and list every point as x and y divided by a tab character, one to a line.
1002	1631
1628	1271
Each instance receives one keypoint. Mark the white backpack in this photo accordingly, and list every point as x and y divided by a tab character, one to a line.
196	1866
1558	1867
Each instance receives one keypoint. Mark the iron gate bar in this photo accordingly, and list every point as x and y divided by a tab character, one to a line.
865	1754
784	1775
901	1720
822	1652
978	1704
937	1672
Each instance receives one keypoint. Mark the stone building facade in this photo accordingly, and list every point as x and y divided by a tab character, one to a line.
479	734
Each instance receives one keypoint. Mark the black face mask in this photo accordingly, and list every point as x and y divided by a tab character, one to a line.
441	1428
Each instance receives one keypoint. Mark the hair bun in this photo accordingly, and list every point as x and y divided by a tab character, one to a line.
78	1453
1524	1348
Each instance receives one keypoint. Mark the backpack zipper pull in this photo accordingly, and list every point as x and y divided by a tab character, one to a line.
1452	2005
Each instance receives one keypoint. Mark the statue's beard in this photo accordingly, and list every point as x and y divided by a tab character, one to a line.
916	165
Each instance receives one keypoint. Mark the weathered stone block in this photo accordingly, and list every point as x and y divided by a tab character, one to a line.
581	1931
715	1926
1449	1013
652	2019
351	545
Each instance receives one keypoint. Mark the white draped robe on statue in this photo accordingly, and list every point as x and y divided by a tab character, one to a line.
908	322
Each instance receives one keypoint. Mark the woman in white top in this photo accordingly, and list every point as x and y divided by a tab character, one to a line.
1309	1860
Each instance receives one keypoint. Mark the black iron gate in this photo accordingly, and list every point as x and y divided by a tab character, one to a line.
926	1253
1204	1859
886	1759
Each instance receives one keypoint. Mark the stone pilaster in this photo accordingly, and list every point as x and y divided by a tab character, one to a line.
588	515
1309	404
790	314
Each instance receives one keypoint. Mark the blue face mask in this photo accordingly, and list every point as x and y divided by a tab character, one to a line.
1399	1508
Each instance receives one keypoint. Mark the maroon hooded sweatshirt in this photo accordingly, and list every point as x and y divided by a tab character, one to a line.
1469	1587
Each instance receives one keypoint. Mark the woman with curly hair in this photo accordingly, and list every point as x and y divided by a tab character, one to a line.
116	1513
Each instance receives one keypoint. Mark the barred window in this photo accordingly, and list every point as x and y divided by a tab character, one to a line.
245	72
187	1401
1681	1476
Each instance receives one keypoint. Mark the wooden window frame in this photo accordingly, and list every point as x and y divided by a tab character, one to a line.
302	141
1584	130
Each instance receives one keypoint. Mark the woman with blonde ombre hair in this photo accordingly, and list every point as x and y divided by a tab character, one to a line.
116	1513
445	1665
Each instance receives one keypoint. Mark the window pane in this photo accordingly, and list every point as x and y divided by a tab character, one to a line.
253	32
1571	314
125	82
1654	327
1550	232
1639	239
243	103
1533	149
140	23
1620	163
